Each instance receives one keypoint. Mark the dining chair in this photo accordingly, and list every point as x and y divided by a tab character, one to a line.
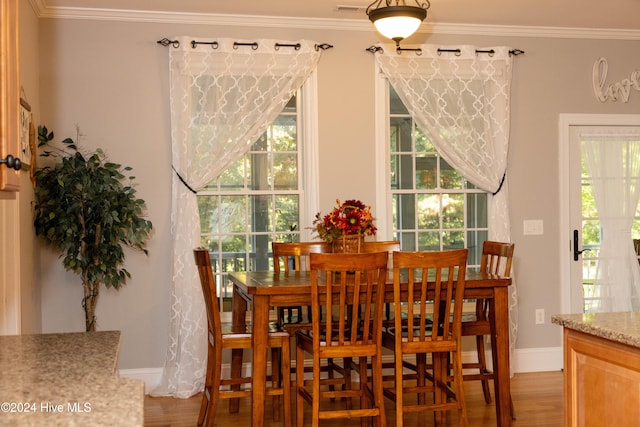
433	301
294	256
349	288
497	258
223	336
389	246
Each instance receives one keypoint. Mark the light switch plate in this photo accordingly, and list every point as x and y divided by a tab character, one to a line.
533	227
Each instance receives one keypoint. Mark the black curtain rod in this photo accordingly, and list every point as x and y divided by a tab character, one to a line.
418	51
214	45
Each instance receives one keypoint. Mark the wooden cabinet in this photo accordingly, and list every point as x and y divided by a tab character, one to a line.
602	381
9	95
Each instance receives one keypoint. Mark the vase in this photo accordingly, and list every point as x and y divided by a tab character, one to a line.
348	244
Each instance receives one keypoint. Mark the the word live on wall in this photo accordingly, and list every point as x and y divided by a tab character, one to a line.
613	91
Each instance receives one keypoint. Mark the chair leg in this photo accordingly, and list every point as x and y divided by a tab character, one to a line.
236	372
206	394
421	369
440	366
299	383
215	388
206	399
482	361
276	359
285	361
459	390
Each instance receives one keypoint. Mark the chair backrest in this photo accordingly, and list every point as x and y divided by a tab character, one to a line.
381	246
389	246
208	283
497	258
438	280
296	253
351	287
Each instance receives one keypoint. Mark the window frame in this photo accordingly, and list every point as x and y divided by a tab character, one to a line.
384	194
308	148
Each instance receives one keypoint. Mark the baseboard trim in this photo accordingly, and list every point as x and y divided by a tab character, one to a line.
150	376
537	359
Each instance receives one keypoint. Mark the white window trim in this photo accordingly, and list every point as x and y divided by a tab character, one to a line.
310	135
383	212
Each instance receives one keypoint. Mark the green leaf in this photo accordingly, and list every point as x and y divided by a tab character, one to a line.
86	212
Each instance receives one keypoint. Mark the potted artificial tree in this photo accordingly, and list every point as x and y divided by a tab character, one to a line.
86	208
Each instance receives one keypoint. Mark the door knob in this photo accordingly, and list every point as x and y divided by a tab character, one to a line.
12	162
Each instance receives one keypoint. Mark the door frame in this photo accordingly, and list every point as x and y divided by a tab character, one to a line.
565	235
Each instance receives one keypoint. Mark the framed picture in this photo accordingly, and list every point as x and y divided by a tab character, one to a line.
25	125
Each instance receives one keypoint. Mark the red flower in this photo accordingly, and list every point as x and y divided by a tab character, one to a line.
350	217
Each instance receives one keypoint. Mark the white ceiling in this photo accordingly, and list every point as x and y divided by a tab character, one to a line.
610	14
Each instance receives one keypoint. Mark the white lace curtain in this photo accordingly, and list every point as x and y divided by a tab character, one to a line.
461	101
223	97
613	163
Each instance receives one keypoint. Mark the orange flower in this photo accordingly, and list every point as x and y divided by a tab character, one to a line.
350	217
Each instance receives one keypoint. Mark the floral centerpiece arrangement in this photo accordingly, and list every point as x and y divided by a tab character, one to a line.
351	218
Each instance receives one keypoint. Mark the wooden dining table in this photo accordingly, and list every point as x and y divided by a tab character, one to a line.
266	289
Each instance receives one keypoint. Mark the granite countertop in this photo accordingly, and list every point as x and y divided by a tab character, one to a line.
66	379
621	327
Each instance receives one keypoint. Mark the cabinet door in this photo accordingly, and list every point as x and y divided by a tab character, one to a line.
9	94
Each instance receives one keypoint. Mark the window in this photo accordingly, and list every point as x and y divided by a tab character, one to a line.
433	206
261	197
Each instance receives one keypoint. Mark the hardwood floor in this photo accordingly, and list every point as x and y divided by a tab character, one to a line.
537	399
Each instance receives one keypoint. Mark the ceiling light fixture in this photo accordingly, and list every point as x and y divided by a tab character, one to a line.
395	20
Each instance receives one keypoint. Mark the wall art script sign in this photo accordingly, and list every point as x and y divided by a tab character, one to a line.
614	91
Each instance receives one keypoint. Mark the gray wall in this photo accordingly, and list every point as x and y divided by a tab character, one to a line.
111	78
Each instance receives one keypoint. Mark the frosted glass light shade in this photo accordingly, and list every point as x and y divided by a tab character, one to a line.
397	22
397	27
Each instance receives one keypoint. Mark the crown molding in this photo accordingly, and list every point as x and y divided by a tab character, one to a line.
47	12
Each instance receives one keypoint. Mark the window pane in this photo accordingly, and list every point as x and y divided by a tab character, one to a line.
426	171
429	241
400	134
208	208
453	210
475	239
422	143
408	241
262	144
404	211
231	178
401	172
428	211
259	171
283	134
287	214
477	210
449	177
452	240
395	105
232	215
285	170
261	213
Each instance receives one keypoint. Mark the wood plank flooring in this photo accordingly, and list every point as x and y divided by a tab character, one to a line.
537	399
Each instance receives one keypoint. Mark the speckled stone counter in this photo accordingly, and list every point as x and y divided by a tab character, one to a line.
618	327
66	379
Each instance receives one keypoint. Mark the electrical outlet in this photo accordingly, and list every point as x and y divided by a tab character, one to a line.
540	316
